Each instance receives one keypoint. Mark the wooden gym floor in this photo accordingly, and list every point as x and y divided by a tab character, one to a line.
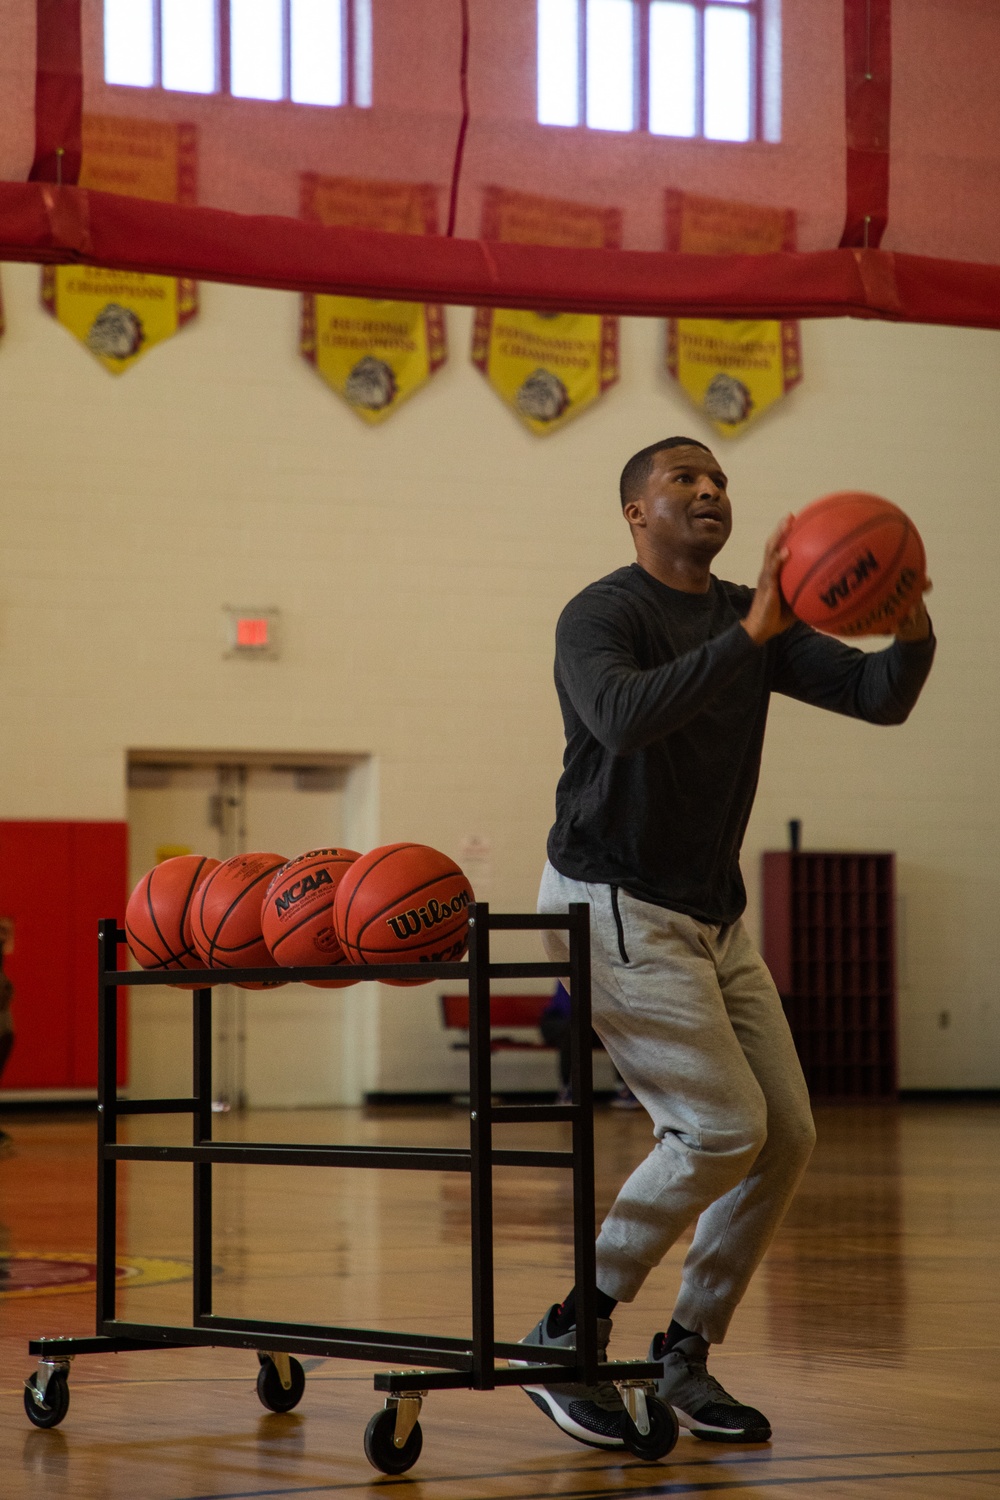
871	1335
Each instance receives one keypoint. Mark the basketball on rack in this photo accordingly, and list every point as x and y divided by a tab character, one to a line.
403	903
158	914
297	914
225	916
856	564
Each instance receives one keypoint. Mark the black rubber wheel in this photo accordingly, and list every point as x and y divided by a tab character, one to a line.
380	1450
270	1389
664	1430
56	1401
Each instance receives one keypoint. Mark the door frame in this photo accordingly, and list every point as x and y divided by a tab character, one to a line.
359	769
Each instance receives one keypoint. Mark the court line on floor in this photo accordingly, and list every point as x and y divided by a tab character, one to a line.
703	1487
668	1487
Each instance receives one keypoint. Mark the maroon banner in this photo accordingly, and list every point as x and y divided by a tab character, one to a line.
58	92
868	102
47	224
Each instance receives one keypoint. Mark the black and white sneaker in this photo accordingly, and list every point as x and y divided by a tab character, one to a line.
699	1401
592	1414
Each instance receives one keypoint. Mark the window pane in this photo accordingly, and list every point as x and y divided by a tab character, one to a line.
128	42
317	52
255	49
728	58
363	53
672	61
188	43
769	42
610	65
558	62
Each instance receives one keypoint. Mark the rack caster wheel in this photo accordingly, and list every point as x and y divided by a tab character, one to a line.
380	1448
47	1409
664	1430
270	1388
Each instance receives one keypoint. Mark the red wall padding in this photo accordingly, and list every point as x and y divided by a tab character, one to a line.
889	113
57	880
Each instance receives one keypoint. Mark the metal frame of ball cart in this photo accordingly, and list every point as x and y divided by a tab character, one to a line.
434	1362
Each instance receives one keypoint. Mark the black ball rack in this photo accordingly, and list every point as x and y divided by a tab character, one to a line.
430	1362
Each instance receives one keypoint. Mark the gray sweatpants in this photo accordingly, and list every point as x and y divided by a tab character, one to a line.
692	1021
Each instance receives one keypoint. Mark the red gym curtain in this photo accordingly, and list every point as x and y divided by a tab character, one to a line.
889	156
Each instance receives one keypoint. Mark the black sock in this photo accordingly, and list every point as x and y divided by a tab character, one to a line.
674	1334
563	1318
605	1304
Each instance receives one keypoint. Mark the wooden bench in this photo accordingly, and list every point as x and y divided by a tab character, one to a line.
520	1015
522	1011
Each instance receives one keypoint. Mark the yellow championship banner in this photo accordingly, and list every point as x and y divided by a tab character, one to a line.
118	315
547	367
732	369
372	353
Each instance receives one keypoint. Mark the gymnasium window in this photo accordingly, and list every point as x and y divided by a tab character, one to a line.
706	69
305	51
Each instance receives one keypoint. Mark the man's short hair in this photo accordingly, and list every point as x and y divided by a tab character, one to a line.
639	467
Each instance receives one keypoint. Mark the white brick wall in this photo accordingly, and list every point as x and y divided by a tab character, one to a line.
420	568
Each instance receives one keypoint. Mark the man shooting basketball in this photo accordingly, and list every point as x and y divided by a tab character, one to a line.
664	673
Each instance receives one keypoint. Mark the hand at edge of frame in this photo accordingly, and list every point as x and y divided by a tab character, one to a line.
915	625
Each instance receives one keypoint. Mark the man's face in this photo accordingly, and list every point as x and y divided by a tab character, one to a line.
684	508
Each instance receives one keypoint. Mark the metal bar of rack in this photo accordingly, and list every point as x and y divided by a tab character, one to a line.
455	1363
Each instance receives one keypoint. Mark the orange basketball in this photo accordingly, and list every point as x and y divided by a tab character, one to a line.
225	916
403	903
856	564
158	914
297	915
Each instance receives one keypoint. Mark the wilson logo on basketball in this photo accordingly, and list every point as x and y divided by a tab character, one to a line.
300	888
848	582
408	924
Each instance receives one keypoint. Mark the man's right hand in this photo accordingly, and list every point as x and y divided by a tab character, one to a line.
769	615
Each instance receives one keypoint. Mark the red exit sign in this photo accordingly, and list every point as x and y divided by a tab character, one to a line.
252	632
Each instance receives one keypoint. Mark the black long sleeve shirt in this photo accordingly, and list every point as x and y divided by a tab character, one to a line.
664	699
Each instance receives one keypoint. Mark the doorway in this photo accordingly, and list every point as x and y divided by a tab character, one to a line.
294	1046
